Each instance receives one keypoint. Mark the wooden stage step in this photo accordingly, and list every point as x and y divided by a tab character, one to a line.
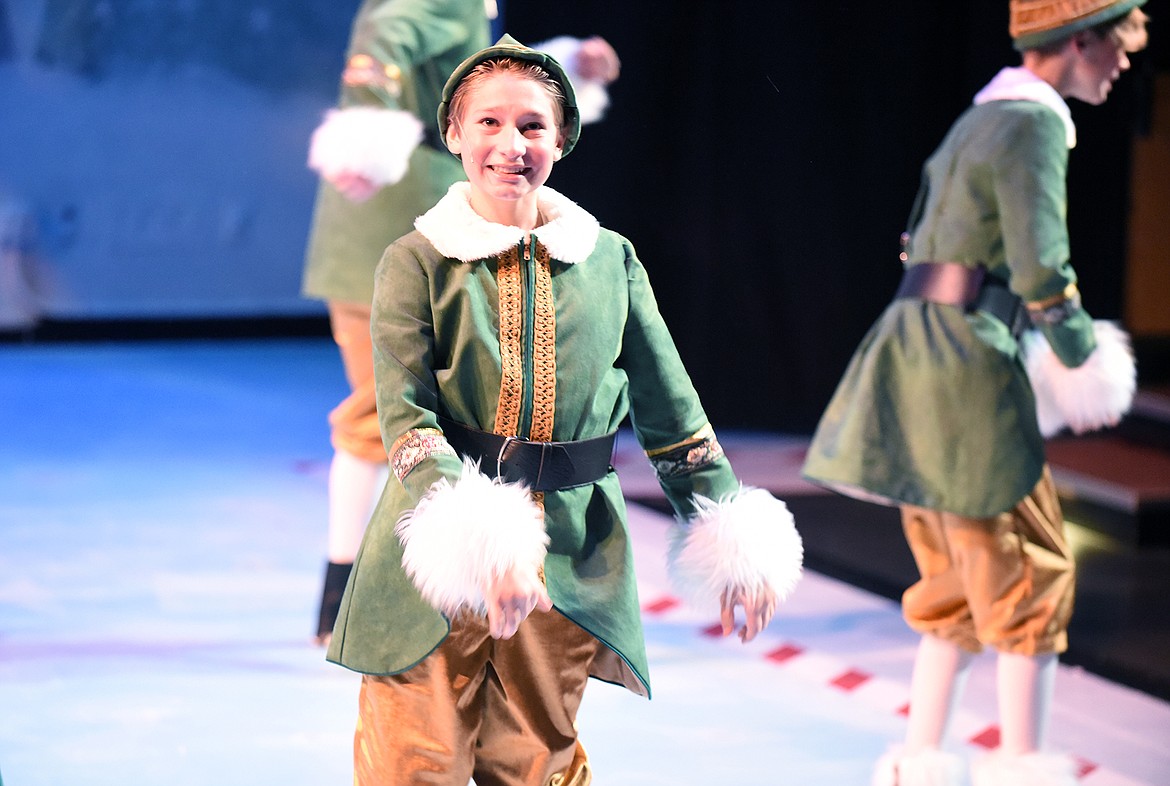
1118	481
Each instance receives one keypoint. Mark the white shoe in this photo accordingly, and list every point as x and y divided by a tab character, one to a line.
928	767
1029	769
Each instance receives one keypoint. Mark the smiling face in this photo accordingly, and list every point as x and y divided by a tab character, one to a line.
506	129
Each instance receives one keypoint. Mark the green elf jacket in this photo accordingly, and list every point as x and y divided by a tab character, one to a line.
935	408
419	43
552	335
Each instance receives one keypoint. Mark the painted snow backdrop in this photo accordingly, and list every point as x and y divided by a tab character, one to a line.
152	154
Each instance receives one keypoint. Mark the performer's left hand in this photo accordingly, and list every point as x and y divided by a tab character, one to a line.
758	608
511	597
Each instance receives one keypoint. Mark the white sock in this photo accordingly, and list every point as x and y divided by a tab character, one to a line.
354	486
1024	688
940	673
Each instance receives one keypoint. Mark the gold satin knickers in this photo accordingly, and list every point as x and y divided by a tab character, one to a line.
1005	582
500	711
354	422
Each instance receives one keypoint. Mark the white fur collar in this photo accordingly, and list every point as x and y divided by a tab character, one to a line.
458	232
1020	84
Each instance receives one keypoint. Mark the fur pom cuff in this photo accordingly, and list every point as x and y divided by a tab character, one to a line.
747	541
1091	396
373	143
460	535
1032	769
925	768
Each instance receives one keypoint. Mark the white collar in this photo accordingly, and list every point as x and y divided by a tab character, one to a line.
1020	84
458	232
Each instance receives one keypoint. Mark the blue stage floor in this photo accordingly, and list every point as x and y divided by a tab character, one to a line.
162	510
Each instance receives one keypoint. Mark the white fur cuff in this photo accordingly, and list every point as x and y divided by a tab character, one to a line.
1091	396
461	535
373	143
745	542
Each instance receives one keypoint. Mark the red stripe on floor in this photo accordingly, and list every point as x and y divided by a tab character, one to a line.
787	652
661	605
988	738
851	680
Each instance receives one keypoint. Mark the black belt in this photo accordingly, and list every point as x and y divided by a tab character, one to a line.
954	284
542	466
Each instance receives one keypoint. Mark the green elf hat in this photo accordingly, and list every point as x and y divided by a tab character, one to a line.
1036	23
509	47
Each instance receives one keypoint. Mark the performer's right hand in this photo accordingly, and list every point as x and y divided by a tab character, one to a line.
353	187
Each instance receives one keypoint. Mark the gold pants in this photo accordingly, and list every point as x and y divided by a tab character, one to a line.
354	422
501	712
1006	582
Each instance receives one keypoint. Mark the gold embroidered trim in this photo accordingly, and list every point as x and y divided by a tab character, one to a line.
544	351
511	296
1070	292
414	446
1055	310
706	432
362	70
687	457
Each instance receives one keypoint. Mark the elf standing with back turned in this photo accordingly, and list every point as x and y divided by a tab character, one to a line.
984	351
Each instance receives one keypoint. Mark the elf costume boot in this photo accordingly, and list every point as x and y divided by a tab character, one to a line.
353	487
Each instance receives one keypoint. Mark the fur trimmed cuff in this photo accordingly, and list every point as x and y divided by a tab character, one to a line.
925	768
1031	769
373	143
462	534
1093	395
744	541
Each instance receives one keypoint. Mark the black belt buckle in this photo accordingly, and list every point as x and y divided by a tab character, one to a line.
510	450
543	466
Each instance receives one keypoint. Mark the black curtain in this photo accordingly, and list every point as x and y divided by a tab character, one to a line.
763	157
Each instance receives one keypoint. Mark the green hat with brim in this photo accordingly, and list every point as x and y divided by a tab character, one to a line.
509	47
1036	23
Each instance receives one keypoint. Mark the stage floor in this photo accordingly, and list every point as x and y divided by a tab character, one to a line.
162	510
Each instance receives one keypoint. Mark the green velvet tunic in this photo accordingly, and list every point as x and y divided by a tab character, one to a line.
437	337
426	40
935	408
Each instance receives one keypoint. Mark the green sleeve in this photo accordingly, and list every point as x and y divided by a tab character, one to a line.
1030	184
664	407
407	34
403	333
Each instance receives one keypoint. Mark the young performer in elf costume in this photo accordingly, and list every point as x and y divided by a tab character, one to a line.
512	335
382	164
984	351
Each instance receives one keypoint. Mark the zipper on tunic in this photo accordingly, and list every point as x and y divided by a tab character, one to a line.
527	333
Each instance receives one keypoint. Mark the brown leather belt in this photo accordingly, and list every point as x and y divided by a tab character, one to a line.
542	466
969	288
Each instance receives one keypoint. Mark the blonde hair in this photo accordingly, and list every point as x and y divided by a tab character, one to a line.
517	68
1130	30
